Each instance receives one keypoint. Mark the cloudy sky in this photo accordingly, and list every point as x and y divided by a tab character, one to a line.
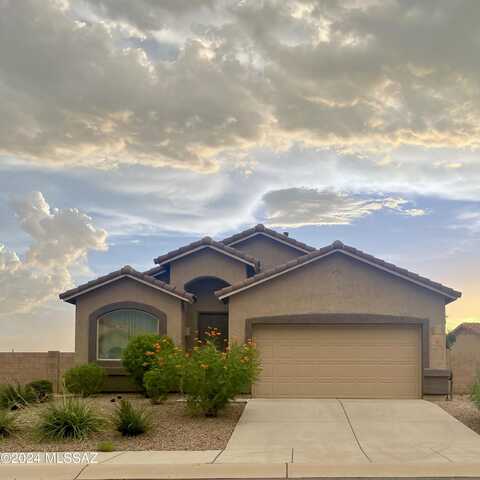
128	128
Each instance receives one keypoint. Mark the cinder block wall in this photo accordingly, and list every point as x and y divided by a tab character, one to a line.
24	367
464	361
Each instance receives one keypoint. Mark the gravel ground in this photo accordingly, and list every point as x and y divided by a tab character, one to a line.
173	429
462	409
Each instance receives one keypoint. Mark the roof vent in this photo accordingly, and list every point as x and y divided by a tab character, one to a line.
285	233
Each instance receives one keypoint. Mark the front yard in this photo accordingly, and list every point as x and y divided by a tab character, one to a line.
462	409
172	428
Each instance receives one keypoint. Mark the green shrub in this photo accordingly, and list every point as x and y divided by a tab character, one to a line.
43	389
16	396
72	419
85	379
212	378
106	446
450	339
475	392
7	423
166	373
138	355
130	421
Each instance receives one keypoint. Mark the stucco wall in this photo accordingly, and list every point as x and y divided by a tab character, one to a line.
464	361
124	290
206	262
268	251
339	284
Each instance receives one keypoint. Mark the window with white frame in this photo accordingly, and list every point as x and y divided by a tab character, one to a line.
114	329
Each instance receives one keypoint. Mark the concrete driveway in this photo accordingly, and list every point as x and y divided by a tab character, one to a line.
345	432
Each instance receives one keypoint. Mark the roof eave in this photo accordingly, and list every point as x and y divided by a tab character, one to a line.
72	298
160	262
280	240
449	296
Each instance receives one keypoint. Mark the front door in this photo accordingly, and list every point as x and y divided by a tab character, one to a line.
208	321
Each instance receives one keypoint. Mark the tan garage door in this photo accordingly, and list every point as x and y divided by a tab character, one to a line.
339	361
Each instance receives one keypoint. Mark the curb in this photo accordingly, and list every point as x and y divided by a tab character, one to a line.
231	471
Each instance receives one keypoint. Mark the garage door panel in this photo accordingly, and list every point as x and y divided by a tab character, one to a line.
341	371
339	361
340	390
352	334
339	353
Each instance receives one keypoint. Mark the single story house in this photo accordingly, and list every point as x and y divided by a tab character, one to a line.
328	322
464	356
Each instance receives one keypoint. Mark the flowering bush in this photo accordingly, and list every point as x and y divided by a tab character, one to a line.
166	370
135	358
212	378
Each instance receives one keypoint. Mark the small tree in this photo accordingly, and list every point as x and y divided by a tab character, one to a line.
165	375
212	378
138	355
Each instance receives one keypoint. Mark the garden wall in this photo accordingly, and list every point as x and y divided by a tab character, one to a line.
23	367
464	361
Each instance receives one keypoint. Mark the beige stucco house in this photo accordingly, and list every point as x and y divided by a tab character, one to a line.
329	322
464	356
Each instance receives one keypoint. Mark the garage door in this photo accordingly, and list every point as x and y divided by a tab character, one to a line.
339	361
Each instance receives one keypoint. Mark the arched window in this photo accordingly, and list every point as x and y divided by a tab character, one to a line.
115	328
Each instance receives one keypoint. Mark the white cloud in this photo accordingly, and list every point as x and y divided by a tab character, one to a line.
59	242
84	82
296	207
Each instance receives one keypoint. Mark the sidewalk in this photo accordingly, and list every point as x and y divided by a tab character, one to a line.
185	465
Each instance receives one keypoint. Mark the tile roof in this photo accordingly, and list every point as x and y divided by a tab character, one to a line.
154	270
338	246
467	327
126	271
207	242
260	228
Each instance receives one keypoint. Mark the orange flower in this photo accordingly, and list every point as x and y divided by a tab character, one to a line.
204	365
149	353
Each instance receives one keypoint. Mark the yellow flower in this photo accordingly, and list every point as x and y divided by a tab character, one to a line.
204	365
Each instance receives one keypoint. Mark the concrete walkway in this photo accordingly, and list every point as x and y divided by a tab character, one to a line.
349	432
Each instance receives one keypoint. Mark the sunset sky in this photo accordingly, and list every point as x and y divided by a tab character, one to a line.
129	128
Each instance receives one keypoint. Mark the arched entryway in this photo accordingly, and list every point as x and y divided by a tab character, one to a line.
207	311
